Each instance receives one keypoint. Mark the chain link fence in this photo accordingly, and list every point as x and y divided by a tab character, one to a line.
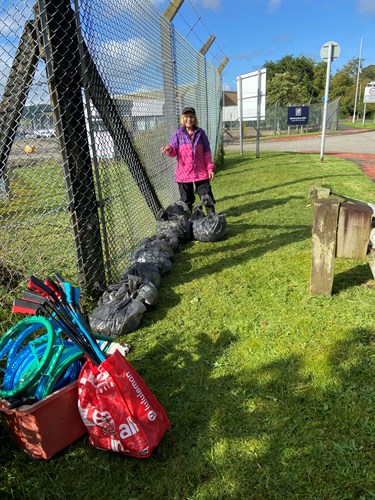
276	121
90	92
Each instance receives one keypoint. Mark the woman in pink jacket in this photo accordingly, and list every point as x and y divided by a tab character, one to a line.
194	161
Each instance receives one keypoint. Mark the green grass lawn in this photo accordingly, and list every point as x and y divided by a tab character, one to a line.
269	390
369	124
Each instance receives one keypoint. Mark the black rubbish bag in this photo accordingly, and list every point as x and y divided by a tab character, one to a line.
178	226
175	219
149	273
208	228
179	208
152	256
198	214
154	242
117	317
131	287
169	238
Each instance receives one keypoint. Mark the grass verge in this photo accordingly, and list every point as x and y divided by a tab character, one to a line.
269	390
369	124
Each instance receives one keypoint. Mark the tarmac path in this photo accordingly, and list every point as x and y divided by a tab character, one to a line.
355	145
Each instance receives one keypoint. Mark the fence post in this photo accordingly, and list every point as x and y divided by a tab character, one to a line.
169	66
60	46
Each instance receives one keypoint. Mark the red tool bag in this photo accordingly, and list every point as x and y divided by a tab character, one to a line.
119	410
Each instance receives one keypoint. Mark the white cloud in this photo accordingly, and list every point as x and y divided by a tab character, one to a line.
115	56
274	5
366	6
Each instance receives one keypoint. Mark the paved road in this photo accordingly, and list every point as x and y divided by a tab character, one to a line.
345	142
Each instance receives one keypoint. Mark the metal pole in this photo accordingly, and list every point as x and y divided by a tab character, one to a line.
356	88
364	115
239	79
275	120
325	108
258	114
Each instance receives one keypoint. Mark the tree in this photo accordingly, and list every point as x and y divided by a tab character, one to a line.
351	69
301	68
285	89
342	86
319	80
298	80
369	72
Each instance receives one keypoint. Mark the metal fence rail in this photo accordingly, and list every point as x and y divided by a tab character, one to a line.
90	90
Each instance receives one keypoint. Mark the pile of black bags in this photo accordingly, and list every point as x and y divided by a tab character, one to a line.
121	307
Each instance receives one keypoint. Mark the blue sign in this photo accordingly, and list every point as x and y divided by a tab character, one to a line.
298	115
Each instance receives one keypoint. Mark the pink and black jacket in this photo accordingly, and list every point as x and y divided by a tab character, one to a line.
194	159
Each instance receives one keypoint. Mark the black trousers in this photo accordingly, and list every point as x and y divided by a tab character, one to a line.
187	191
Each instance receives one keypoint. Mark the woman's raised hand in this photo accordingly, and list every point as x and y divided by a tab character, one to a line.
165	149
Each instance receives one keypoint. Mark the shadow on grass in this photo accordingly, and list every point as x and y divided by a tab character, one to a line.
248	157
267	427
272	428
239	253
358	275
276	186
238	210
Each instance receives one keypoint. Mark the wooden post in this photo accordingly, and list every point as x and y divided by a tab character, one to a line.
207	45
172	9
318	192
353	231
222	65
324	233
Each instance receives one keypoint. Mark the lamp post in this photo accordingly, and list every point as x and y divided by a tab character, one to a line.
357	85
358	73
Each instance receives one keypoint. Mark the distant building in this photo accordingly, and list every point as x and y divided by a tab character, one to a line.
230	110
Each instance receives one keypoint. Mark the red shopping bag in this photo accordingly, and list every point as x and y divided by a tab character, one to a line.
119	410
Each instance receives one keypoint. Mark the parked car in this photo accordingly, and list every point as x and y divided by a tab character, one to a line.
45	133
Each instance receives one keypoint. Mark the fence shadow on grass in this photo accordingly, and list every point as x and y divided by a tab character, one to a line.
276	186
238	210
235	254
266	427
238	425
231	162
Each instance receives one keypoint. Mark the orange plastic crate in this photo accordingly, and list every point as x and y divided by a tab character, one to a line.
48	426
